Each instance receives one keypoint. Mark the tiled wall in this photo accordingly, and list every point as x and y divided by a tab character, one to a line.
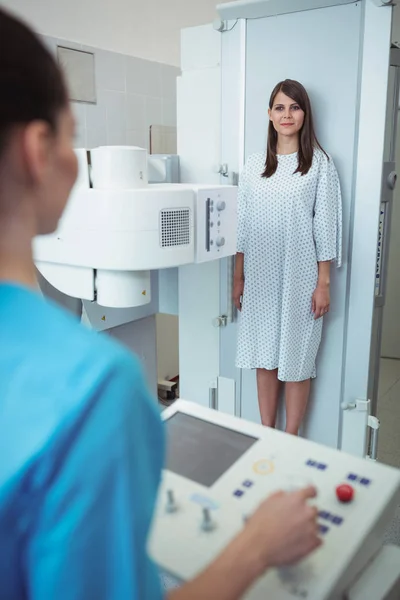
132	95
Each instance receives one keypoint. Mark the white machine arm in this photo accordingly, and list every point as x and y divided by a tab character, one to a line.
117	228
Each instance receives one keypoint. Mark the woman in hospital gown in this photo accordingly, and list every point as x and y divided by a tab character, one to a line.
82	446
289	231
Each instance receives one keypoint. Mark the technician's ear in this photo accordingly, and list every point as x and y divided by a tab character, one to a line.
37	142
269	114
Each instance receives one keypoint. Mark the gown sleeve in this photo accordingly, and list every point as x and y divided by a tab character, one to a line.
101	474
327	223
243	193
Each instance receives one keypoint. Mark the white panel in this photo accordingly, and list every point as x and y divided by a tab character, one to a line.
226	395
375	70
199	133
78	68
232	153
168	291
198	339
257	9
337	31
199	125
200	48
391	321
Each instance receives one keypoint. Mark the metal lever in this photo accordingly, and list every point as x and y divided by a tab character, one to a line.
212	398
207	523
171	504
374	424
220	321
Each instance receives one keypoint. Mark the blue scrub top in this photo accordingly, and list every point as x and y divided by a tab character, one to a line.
81	452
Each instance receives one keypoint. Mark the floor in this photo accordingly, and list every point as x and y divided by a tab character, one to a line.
389	435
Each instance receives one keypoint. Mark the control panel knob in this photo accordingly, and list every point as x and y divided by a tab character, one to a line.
221	205
345	493
220	241
171	505
207	523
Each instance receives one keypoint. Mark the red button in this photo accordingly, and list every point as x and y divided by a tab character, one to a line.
345	493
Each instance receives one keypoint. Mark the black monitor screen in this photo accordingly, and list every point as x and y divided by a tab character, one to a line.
202	451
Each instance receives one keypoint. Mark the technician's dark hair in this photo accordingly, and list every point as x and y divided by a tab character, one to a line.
31	84
308	139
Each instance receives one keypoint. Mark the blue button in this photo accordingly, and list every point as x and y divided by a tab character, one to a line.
352	477
238	493
337	520
247	483
365	481
323	529
311	463
324	515
321	467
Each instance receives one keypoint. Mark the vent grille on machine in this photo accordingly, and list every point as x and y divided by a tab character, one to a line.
175	227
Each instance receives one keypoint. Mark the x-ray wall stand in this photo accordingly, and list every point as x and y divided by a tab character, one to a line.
340	50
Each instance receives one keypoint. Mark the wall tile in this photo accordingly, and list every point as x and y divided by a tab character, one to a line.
168	81
169	116
78	110
135	111
116	117
80	139
138	138
96	137
96	114
110	71
154	111
143	77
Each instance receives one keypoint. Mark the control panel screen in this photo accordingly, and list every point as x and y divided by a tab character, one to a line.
202	451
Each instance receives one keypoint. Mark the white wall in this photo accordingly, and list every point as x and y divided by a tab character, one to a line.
167	331
145	28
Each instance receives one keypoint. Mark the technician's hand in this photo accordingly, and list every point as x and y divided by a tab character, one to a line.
321	301
285	528
238	289
281	532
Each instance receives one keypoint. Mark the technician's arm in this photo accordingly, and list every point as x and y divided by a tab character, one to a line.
281	532
238	282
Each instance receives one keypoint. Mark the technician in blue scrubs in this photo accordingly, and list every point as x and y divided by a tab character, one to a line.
81	442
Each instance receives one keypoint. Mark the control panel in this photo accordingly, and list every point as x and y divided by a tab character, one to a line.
219	468
216	218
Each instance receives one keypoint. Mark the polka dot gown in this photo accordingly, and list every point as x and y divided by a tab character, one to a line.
286	225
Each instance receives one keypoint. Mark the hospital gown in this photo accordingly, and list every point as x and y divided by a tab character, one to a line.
81	456
286	225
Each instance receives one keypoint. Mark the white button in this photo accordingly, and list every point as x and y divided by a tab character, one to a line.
221	205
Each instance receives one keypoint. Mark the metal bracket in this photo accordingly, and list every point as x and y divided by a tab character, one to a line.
213	395
219	25
221	321
374	425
